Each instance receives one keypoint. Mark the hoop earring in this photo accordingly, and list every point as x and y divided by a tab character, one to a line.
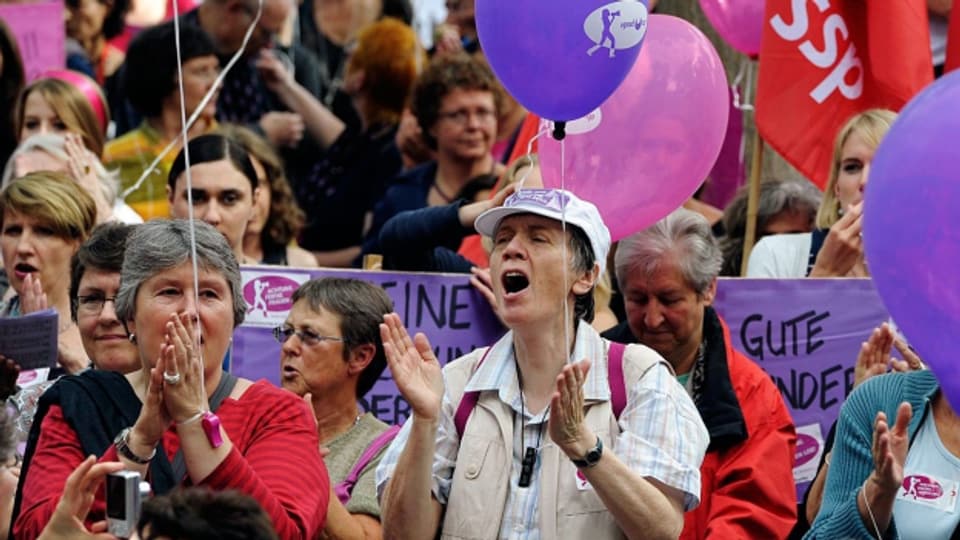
132	337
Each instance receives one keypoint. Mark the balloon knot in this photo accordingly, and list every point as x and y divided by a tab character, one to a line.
559	130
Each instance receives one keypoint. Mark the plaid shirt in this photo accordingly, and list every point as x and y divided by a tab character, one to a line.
661	435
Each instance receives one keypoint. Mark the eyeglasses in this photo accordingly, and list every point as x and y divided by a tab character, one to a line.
92	304
308	337
460	116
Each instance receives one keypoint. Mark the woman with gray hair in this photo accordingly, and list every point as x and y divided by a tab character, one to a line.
784	207
181	418
668	275
66	153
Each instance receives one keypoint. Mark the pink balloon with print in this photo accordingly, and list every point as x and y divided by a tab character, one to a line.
739	22
648	148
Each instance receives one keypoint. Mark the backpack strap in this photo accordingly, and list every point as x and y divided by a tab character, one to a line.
344	489
615	378
467	402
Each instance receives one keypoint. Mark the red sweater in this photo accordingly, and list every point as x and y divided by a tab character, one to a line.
274	459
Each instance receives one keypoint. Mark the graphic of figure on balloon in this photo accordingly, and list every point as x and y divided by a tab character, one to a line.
607	35
259	302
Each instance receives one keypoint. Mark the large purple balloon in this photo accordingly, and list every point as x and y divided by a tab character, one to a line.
911	231
739	22
561	58
648	147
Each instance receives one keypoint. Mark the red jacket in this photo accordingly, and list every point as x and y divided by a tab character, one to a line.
747	488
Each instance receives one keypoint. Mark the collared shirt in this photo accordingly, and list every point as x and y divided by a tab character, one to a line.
661	435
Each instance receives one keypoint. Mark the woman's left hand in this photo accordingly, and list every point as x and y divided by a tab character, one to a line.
67	521
32	298
567	427
187	397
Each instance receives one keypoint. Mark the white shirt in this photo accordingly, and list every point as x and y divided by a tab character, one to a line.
780	256
926	503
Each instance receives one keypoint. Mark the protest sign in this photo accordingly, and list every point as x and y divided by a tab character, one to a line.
806	334
38	28
445	307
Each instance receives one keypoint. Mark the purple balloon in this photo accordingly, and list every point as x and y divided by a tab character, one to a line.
739	22
561	58
910	228
650	146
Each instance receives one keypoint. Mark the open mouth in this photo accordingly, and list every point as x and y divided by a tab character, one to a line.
515	282
22	269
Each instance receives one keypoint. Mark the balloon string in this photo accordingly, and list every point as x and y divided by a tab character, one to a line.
744	72
186	158
521	182
203	103
563	226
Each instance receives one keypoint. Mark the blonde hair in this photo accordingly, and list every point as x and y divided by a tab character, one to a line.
71	106
54	199
871	125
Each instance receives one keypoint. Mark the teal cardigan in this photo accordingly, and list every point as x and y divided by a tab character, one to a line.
852	458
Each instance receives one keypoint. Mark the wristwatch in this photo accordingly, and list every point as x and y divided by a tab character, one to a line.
211	426
592	457
122	444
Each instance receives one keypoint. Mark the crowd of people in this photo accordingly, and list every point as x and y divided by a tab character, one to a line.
349	133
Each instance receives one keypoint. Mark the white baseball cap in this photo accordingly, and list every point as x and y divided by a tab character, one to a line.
557	204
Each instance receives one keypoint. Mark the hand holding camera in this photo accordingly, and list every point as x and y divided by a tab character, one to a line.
67	521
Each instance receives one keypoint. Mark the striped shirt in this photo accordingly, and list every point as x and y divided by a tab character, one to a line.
662	435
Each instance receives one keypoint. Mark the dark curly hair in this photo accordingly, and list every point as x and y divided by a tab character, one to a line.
113	23
199	512
150	70
444	75
286	219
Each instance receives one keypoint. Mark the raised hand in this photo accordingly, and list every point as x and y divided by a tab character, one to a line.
415	368
282	128
153	420
185	398
566	425
911	361
874	356
890	448
32	298
67	521
274	73
843	247
469	213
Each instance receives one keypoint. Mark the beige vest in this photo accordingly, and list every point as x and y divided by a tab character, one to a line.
478	490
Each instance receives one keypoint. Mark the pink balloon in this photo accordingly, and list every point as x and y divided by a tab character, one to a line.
739	22
653	142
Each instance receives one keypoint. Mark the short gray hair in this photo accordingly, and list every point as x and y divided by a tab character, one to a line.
776	197
683	234
163	244
55	145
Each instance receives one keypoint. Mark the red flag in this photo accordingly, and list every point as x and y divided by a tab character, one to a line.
821	62
953	41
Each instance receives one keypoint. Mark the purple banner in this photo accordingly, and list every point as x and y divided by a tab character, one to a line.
806	334
445	307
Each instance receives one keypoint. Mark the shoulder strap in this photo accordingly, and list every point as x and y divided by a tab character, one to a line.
467	402
222	392
615	378
345	488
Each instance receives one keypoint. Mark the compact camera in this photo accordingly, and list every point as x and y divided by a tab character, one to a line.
125	493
